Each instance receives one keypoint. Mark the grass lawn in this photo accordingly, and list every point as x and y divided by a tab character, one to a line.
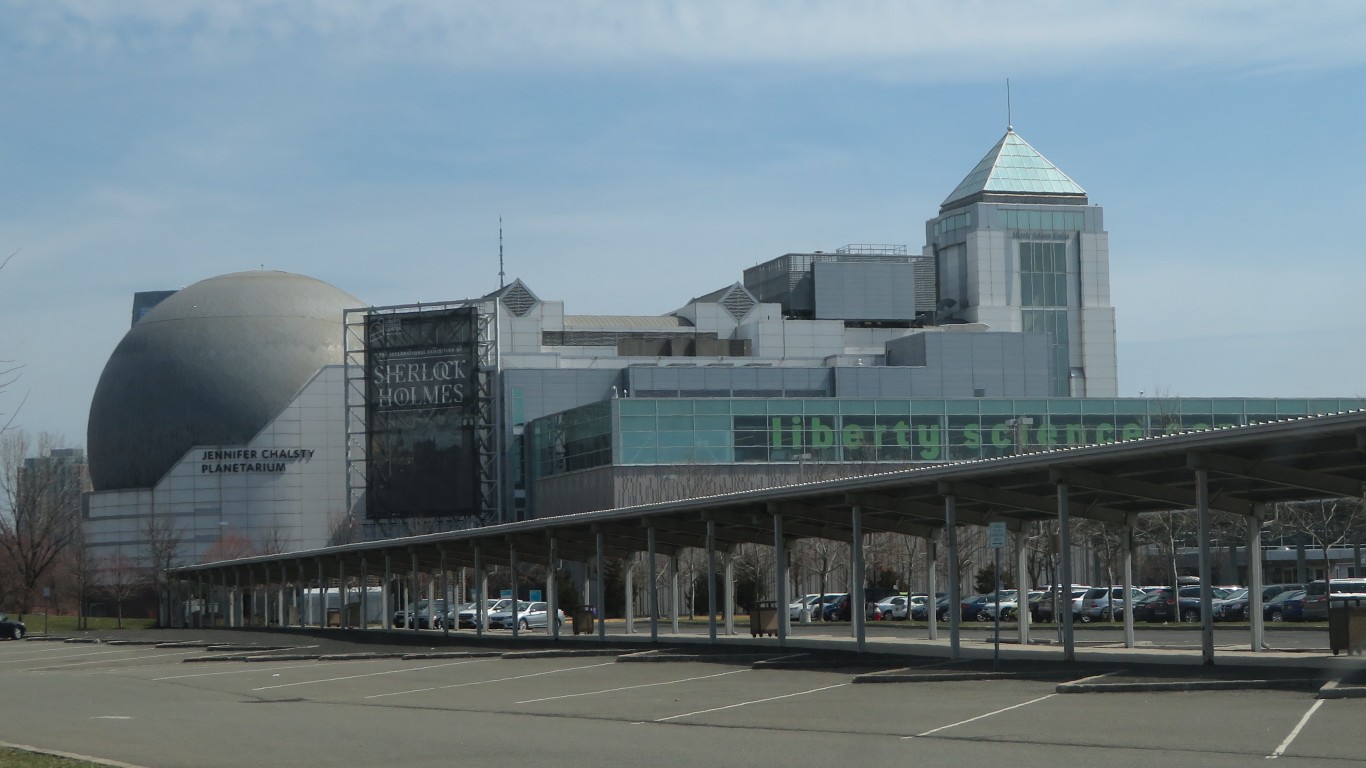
16	758
66	625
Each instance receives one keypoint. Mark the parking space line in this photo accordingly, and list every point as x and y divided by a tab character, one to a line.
102	661
486	682
747	703
368	674
250	668
979	717
1296	731
72	656
634	687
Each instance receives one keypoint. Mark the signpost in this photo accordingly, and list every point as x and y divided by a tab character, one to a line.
996	536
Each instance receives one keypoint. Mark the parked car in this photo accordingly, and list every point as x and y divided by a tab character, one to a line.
404	618
469	614
1233	607
972	606
794	609
1185	606
1317	594
1094	604
1043	609
895	608
12	629
1287	606
921	612
838	610
530	615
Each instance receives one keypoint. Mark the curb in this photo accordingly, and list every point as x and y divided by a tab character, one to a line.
356	656
450	655
931	677
1333	689
556	654
719	658
1303	684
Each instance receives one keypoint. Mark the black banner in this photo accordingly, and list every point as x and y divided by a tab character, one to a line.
421	408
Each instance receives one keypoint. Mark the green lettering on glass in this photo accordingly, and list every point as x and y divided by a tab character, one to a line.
853	436
1048	436
1076	434
972	436
1131	431
821	435
1105	433
901	428
1000	436
928	437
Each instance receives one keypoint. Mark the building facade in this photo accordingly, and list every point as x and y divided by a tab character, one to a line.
243	411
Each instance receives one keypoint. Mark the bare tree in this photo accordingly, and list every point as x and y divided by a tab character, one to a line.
1325	523
123	579
163	538
9	374
41	514
230	546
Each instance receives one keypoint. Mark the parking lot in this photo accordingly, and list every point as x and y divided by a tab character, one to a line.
146	706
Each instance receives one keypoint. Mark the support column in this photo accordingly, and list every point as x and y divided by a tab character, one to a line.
385	599
236	599
284	588
1206	588
631	596
1063	613
410	606
673	592
341	594
955	599
431	604
1127	542
481	577
552	594
711	581
931	583
856	593
728	565
449	605
512	579
203	601
301	594
322	596
780	579
654	583
364	593
600	595
1022	585
1255	620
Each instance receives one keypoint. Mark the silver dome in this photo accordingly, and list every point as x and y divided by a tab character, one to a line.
210	365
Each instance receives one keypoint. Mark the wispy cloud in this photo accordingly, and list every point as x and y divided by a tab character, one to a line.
886	38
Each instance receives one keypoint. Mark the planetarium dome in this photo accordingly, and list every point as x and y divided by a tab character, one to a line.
210	365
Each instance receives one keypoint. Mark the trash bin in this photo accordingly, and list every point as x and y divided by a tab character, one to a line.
583	620
334	617
1347	625
763	619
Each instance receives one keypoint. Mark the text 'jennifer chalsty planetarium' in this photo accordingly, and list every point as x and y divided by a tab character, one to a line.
265	412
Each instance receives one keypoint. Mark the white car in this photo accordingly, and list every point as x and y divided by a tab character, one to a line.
469	613
529	616
895	608
794	609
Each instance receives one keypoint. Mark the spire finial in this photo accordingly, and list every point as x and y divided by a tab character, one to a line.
1010	128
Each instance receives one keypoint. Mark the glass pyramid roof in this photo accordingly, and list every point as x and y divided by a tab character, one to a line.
1014	166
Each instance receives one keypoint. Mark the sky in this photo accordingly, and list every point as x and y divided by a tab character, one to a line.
643	153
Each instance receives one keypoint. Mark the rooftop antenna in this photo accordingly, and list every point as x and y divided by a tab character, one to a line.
500	250
1010	127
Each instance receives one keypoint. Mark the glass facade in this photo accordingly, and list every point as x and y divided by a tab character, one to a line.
739	431
1043	294
1043	220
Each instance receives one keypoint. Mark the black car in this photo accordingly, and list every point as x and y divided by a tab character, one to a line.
12	629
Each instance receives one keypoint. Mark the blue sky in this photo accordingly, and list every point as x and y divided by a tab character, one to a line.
641	153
